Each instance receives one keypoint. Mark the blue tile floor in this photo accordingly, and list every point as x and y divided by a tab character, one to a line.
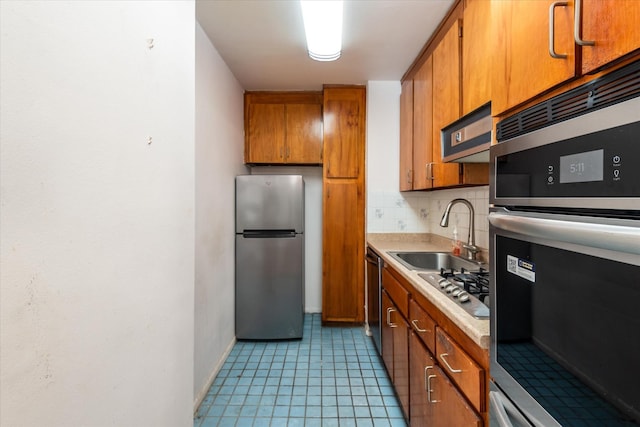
331	377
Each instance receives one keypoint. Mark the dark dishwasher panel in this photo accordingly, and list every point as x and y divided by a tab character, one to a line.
374	288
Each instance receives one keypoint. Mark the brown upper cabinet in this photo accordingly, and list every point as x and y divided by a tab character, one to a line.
430	100
536	46
283	127
446	103
344	125
476	55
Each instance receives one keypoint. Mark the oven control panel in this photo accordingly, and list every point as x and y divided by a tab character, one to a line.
604	164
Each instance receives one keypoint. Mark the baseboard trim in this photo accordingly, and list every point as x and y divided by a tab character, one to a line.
203	392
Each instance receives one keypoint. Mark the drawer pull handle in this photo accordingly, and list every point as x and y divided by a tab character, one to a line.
414	322
453	371
427	383
389	310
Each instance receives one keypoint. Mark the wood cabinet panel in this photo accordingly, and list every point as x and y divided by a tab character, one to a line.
283	128
420	363
422	125
614	26
446	101
304	133
401	363
423	325
386	326
395	349
523	67
451	408
461	368
396	291
406	136
476	54
435	401
343	205
343	252
344	126
266	133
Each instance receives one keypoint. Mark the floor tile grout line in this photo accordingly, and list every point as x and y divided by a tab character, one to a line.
339	343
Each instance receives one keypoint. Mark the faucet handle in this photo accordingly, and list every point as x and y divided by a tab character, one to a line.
472	251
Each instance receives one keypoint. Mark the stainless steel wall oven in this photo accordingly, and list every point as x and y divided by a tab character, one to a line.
565	259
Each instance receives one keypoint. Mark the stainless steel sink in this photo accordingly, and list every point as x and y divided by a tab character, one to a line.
434	261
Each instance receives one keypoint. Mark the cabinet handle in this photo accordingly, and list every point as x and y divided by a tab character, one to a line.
414	322
577	23
288	152
430	171
453	371
409	176
392	325
427	383
552	26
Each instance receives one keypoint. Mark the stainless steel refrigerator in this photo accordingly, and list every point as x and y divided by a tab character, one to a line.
269	256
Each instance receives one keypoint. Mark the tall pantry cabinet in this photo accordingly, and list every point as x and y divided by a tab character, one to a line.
343	204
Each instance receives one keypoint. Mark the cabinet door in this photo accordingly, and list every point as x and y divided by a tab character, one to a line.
266	134
424	327
401	362
304	133
406	136
446	102
614	26
421	365
450	408
343	252
461	368
523	67
344	126
389	312
422	124
476	54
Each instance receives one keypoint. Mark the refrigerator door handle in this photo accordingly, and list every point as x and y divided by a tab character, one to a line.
268	234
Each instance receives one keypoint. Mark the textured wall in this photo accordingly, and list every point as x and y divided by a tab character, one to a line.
96	218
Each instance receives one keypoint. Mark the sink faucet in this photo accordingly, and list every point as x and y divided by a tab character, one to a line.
471	247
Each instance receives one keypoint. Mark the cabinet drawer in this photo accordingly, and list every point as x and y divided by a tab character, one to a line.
423	325
461	368
398	294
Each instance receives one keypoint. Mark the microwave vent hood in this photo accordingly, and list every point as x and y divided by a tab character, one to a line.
468	139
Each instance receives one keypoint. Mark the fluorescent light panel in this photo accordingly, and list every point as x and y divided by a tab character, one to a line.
323	27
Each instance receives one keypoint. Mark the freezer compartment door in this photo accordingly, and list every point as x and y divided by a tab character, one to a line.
269	202
269	287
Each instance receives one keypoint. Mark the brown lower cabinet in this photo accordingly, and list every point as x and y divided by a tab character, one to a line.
439	374
435	401
395	349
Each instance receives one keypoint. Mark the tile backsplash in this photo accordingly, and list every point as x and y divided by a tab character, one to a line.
420	212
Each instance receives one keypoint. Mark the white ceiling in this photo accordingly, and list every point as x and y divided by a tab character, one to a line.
263	42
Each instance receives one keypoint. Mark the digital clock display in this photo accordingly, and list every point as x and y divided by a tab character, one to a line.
582	167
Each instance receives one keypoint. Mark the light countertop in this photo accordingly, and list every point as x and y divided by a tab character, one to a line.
476	329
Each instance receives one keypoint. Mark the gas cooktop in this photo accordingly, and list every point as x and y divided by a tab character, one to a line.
468	288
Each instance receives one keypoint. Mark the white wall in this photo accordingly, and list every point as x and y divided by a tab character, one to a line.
312	229
219	158
97	223
392	211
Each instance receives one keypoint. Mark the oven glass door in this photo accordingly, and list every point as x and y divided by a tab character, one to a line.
566	317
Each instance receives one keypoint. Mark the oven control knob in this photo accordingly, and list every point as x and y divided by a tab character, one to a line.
463	296
444	283
456	292
450	288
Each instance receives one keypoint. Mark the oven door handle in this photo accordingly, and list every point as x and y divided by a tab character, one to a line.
602	236
504	411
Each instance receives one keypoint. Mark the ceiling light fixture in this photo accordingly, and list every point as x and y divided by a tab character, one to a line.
323	27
